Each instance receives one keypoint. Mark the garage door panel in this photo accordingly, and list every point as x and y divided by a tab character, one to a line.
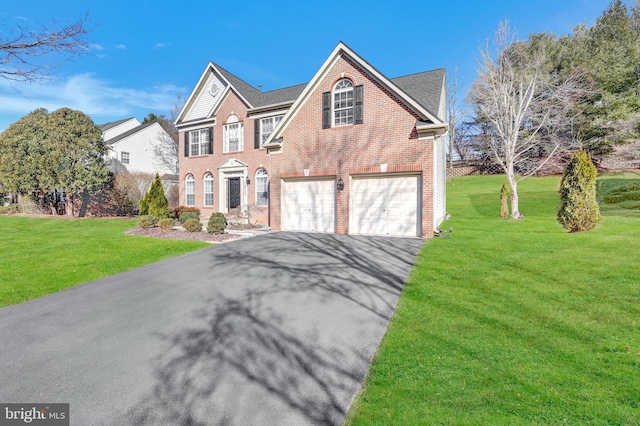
385	206
308	206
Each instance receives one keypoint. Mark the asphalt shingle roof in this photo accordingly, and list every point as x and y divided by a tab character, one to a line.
106	126
424	87
128	133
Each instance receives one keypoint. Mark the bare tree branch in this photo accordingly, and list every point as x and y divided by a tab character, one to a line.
165	150
30	55
524	109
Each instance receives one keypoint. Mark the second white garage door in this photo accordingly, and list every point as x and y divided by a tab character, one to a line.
309	205
385	206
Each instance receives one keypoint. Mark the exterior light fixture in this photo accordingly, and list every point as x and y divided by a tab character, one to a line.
248	180
340	185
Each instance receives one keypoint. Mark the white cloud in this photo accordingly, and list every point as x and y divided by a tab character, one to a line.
98	98
160	45
96	47
121	47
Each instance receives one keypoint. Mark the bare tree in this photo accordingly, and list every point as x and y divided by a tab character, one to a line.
22	52
166	150
454	110
524	110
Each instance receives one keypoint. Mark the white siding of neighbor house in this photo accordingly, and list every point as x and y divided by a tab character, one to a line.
204	102
120	129
439	181
140	148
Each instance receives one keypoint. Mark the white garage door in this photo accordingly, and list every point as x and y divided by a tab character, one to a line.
385	206
309	205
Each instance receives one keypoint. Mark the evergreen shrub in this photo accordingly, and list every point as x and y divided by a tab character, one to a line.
217	223
147	221
166	224
192	225
579	209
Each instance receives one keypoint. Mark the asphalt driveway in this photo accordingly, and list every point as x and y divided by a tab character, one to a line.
272	330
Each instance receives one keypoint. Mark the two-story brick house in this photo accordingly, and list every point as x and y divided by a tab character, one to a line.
352	151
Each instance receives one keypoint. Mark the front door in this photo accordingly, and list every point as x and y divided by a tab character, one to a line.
233	193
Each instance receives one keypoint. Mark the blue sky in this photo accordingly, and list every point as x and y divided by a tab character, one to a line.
146	53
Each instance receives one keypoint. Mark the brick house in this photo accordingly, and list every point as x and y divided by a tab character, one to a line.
350	152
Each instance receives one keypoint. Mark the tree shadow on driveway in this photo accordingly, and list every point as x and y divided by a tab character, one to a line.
284	334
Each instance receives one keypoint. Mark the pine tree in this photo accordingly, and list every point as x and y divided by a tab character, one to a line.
578	206
157	201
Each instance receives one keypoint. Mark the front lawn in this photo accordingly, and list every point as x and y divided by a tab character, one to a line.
513	322
43	255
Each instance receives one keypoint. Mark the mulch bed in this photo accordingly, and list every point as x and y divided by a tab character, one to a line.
176	234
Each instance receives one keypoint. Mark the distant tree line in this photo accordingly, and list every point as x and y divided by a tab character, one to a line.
603	59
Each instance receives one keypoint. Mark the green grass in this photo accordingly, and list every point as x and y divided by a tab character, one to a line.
39	256
619	194
513	322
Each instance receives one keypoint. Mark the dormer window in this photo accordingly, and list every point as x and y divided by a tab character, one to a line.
343	105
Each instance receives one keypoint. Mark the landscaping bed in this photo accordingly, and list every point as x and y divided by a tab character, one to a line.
177	234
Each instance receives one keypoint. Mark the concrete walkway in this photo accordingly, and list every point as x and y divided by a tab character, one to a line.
277	329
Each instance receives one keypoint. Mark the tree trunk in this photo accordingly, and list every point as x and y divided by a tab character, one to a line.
513	184
69	205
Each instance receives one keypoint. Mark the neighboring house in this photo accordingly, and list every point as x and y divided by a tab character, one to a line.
130	146
350	152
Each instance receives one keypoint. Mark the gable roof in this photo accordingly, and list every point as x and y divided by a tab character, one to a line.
407	89
110	125
424	87
130	132
422	91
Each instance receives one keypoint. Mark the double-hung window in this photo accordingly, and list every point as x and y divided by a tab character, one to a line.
267	125
262	188
343	103
125	157
208	190
343	106
190	191
233	137
201	142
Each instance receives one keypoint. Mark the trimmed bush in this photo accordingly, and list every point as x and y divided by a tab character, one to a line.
147	221
166	224
10	209
579	209
177	211
188	215
217	223
192	225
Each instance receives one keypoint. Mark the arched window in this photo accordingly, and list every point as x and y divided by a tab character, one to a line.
190	191
233	135
208	190
262	187
343	102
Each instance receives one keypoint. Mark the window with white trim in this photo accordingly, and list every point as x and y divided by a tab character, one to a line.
125	157
199	141
233	137
190	191
262	187
343	102
208	190
267	125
